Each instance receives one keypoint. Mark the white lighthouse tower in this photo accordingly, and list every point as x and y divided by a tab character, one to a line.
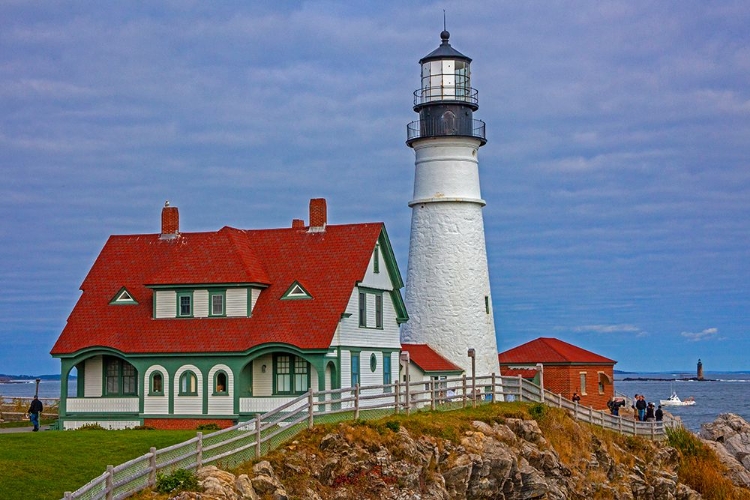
447	283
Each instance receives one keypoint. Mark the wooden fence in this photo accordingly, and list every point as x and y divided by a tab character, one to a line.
252	439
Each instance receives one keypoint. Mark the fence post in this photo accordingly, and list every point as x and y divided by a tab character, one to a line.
152	467
619	424
520	388
310	411
575	410
199	451
463	396
356	402
257	435
408	397
68	495
653	430
398	397
110	481
493	388
432	395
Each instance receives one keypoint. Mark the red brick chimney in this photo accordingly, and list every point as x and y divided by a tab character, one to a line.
318	214
170	222
298	223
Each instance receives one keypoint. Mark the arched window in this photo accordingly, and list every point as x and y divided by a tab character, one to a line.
220	383
157	384
188	384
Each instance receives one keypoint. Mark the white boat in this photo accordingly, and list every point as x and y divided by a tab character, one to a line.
674	400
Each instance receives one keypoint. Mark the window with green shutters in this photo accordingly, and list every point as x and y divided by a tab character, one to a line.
291	374
120	377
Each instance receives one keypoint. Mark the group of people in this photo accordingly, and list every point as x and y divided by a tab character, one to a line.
645	412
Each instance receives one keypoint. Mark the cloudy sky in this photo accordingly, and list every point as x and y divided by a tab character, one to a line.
616	173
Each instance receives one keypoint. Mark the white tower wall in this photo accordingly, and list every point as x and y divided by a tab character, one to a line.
447	284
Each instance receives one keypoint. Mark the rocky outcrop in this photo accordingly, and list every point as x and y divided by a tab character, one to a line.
729	437
511	460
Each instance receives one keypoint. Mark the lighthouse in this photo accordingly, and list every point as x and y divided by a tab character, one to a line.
447	283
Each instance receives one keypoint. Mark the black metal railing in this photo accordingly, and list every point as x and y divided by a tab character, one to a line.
446	93
439	128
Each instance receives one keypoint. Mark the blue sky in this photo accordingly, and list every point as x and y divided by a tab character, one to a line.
616	173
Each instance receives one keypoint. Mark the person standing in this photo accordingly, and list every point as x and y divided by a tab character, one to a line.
659	414
641	405
35	409
576	398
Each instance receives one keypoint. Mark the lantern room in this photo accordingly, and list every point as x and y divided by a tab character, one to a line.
445	100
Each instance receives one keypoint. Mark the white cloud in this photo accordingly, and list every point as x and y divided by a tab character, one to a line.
707	334
614	329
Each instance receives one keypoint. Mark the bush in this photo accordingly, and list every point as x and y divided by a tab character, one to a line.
91	427
208	427
538	411
393	425
179	480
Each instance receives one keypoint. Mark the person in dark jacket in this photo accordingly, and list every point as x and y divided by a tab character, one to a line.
650	412
659	414
34	411
641	406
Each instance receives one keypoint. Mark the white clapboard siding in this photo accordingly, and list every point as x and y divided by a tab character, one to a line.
92	379
166	304
224	404
256	294
200	304
381	280
237	302
262	405
101	405
188	405
156	405
350	334
263	382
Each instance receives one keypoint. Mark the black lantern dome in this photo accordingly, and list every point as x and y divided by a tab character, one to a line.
446	101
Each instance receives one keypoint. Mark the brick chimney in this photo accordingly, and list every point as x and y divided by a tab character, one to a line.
298	224
170	222
318	215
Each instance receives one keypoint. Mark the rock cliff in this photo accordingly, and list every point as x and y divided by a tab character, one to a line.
496	457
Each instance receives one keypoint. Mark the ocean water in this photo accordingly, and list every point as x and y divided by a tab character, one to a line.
25	389
723	393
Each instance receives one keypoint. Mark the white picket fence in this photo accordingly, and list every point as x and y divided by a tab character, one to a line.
252	439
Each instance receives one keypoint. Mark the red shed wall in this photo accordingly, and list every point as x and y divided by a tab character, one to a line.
566	379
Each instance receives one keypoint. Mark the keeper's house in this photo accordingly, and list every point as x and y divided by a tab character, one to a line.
174	330
564	368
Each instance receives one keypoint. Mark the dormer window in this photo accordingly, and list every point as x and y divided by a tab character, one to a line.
216	302
185	304
123	297
296	291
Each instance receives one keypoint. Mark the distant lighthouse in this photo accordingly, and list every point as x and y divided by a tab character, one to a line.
700	370
447	283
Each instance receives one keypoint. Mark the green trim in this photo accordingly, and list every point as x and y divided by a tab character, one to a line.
387	368
183	375
217	293
151	391
249	301
296	292
376	260
215	388
294	391
118	299
180	295
389	259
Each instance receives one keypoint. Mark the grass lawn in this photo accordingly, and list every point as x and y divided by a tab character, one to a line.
44	465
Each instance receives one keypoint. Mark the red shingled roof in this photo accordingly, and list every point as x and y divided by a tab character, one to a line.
328	264
550	350
428	360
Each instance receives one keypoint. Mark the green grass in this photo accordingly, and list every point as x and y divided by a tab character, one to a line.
44	465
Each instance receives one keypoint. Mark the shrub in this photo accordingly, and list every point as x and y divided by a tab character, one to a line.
208	427
538	411
179	480
91	427
393	425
